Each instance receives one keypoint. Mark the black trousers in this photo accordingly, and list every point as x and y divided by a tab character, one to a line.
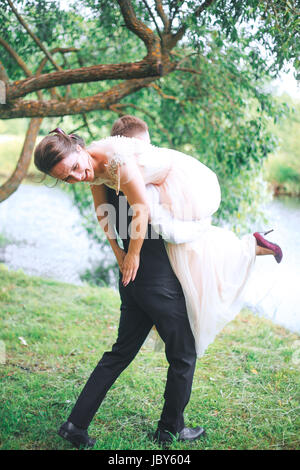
144	304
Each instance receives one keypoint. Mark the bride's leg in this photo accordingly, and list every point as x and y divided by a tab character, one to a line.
266	247
260	251
171	229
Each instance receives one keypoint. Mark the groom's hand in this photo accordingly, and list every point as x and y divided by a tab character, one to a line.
129	268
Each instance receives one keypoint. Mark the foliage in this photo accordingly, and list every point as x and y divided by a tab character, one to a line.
268	24
214	106
14	127
245	388
282	168
48	21
97	29
220	116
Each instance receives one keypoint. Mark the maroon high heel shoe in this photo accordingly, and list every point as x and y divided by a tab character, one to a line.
261	241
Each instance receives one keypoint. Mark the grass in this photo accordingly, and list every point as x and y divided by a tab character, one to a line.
245	389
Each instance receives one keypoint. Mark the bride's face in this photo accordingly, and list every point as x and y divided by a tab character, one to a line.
76	167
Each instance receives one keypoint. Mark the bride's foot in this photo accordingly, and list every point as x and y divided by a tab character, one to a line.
264	247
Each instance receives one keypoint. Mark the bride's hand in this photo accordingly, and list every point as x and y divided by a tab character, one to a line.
120	255
130	266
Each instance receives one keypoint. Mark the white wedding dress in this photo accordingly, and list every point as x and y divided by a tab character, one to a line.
211	263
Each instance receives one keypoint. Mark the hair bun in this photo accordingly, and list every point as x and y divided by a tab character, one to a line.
77	139
73	137
58	130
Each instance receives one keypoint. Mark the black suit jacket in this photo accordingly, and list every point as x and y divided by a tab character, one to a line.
154	261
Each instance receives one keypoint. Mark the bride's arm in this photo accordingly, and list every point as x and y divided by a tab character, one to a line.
133	186
101	208
126	176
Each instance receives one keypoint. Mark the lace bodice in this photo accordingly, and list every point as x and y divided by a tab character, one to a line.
187	187
123	153
113	174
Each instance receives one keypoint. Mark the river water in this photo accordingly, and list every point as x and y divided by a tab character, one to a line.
46	239
46	236
275	289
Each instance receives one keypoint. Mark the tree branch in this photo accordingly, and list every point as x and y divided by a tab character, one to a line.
93	73
26	108
86	123
14	181
21	169
153	18
181	31
183	59
161	93
16	57
20	62
62	50
3	74
34	37
188	70
162	15
174	13
140	29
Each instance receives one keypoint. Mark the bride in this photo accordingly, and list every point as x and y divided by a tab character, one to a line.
177	194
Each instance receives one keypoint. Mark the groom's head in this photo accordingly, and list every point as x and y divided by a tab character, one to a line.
131	126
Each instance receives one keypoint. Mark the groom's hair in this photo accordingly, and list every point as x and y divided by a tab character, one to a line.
128	126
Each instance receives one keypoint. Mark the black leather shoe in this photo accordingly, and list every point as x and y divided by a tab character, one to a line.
78	437
186	434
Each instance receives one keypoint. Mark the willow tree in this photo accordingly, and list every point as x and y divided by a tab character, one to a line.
175	56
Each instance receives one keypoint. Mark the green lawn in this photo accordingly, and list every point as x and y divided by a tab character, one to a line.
244	391
10	150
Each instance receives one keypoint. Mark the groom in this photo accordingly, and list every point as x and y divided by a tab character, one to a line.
155	298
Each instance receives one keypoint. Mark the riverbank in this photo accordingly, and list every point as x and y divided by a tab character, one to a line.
244	390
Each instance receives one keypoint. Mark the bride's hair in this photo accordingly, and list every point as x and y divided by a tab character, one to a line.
54	148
